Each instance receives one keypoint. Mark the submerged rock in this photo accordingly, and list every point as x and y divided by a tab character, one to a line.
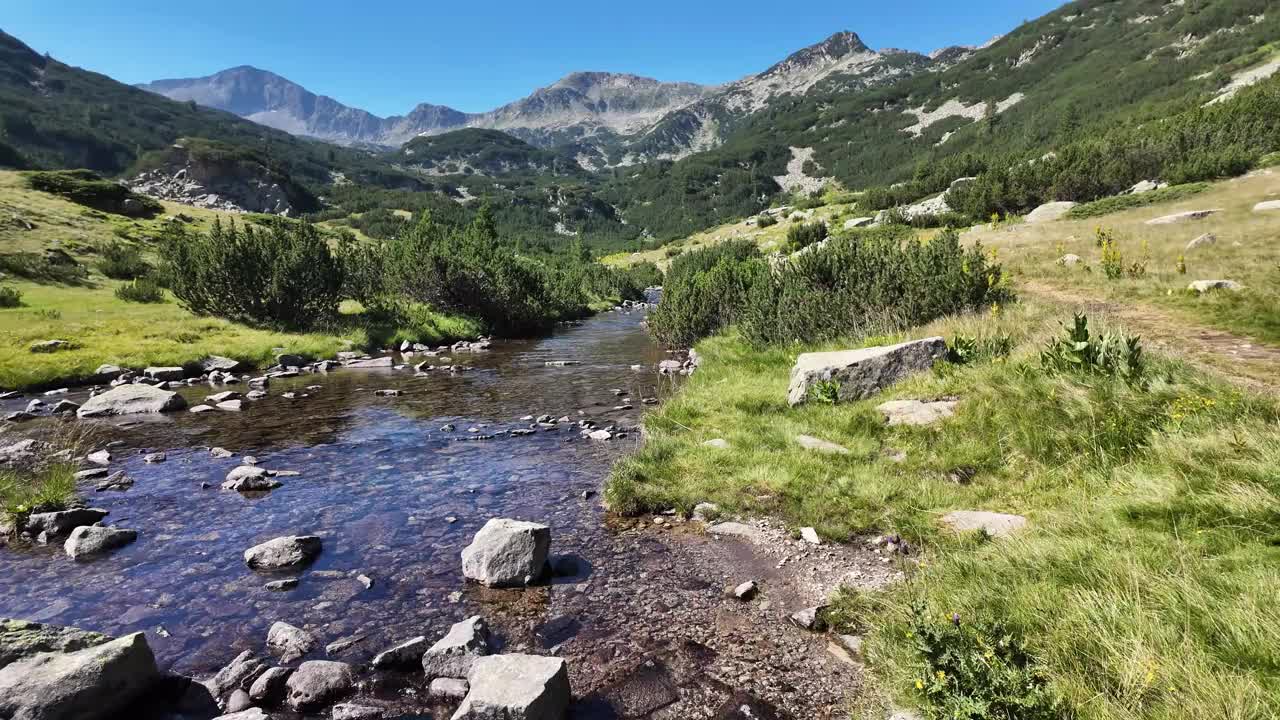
507	553
516	687
250	478
858	374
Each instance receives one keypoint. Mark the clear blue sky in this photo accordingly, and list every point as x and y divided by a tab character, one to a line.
477	54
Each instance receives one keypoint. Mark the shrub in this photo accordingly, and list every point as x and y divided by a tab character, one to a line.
704	291
122	262
1113	354
884	280
87	188
802	236
765	220
10	297
645	275
284	276
142	290
967	349
37	267
673	252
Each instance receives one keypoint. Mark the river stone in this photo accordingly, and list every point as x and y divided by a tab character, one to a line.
448	688
290	360
164	373
1267	206
90	540
507	553
378	362
62	522
516	687
22	638
1049	212
107	373
249	478
1182	217
289	642
916	412
64	406
239	702
409	652
101	457
812	619
746	590
239	674
283	552
86	684
810	535
217	363
455	653
131	399
222	397
250	714
1204	240
350	711
997	525
1203	286
270	686
862	373
317	682
809	442
202	409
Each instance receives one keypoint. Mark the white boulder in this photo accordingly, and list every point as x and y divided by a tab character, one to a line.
862	373
516	687
507	553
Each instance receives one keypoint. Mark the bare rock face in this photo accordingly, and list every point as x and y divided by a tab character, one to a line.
1049	212
283	552
858	374
507	553
234	185
130	400
317	682
71	675
455	653
516	687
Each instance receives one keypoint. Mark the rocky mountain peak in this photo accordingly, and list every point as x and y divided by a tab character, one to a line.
831	51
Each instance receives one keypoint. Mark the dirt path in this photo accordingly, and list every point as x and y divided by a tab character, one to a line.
1237	358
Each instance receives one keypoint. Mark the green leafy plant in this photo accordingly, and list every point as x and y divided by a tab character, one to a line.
1112	260
765	220
806	234
1112	354
10	297
142	290
826	392
968	349
122	262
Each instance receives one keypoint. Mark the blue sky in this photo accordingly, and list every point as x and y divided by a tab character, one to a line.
474	55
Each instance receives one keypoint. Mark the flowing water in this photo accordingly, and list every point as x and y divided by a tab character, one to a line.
377	479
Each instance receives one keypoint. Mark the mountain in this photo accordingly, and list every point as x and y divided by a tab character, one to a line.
580	105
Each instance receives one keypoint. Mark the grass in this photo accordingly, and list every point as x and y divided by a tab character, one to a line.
51	488
1146	584
1117	203
107	329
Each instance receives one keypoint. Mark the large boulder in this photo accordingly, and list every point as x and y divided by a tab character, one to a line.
507	553
62	522
378	362
1181	217
456	652
131	399
240	674
22	638
318	682
165	373
1049	212
862	373
90	540
516	687
283	552
59	683
289	642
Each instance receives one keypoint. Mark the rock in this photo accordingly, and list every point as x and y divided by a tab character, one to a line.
220	452
561	363
92	683
201	409
224	396
239	702
249	478
916	412
1203	241
718	443
380	362
165	373
250	714
1203	286
64	406
516	687
600	435
852	644
858	222
1049	212
507	553
100	457
289	642
1267	206
455	653
810	536
735	529
812	619
808	442
19	416
116	481
337	647
746	590
997	525
387	393
270	687
92	474
405	654
62	522
282	585
231	405
317	682
49	346
448	689
350	711
217	363
1183	217
862	373
131	399
1070	260
705	511
287	360
668	367
89	540
21	638
239	674
1143	186
283	552
24	452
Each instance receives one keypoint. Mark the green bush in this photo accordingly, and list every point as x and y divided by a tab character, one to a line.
1116	203
10	297
765	220
142	290
284	276
882	281
673	251
1113	354
87	188
645	275
802	236
967	349
122	262
704	291
37	267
